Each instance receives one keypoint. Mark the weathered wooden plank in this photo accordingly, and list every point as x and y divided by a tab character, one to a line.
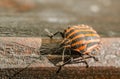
33	65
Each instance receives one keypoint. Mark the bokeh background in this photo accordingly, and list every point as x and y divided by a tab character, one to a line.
29	18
